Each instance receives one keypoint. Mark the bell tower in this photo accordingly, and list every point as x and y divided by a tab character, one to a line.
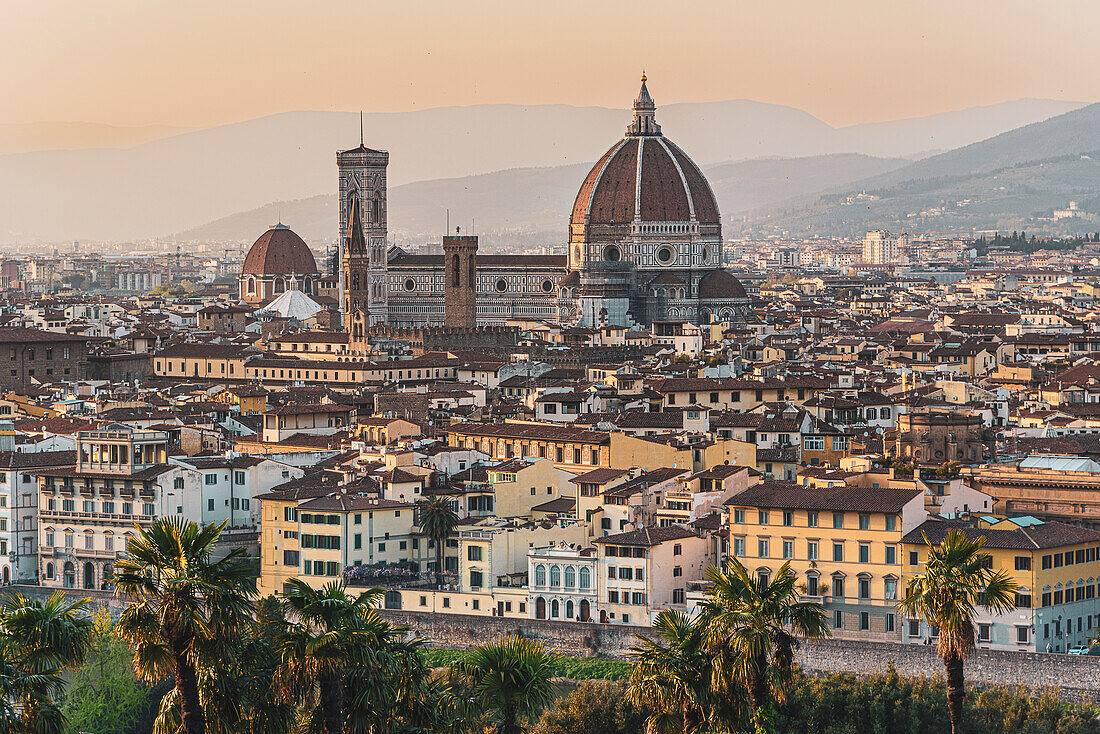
363	258
460	281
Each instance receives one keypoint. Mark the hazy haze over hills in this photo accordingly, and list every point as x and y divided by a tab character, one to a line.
1004	181
180	182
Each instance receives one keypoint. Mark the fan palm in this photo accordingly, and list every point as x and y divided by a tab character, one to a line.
756	627
186	609
956	581
509	681
38	641
673	678
328	633
438	521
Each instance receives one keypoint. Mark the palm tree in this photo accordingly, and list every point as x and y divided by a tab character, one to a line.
956	581
328	633
756	627
508	681
438	521
38	641
186	609
673	678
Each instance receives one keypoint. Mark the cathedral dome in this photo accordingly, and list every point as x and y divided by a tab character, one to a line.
718	285
279	251
664	186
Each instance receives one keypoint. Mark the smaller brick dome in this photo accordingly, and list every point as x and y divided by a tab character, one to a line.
279	251
719	285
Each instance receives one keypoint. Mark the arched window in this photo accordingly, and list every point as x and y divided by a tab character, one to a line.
49	570
555	608
570	577
555	576
376	214
569	609
540	575
69	538
586	578
251	286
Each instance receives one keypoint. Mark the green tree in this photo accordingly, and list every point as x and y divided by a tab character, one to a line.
955	582
756	626
186	609
507	682
39	641
103	694
675	679
593	707
328	632
438	521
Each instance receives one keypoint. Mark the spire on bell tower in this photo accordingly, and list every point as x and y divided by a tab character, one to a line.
645	114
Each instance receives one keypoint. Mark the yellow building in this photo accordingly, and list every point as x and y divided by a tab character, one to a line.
201	361
572	449
315	533
842	542
1056	565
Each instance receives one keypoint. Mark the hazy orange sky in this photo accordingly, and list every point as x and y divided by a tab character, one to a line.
206	62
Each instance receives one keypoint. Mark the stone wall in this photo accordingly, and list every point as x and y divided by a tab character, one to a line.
1077	678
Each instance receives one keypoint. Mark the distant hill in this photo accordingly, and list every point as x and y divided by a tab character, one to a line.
1010	181
530	206
178	182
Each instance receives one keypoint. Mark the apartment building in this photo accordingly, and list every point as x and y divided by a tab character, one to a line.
87	512
841	541
1056	565
644	571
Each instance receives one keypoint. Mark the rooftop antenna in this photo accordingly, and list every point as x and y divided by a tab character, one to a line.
448	229
361	128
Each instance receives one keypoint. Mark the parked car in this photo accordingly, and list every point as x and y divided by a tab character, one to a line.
1078	650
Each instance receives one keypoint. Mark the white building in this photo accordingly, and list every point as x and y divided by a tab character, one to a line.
562	583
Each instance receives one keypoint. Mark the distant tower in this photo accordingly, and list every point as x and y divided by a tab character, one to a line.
363	267
460	281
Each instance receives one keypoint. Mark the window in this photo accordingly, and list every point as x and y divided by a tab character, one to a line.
811	519
838	519
891	588
739	517
890	622
1022	634
570	577
864	553
838	552
762	517
838	587
813	443
1023	601
788	549
555	576
788	518
475	579
540	575
1023	563
914	628
811	586
838	619
1046	562
914	558
473	553
762	548
677	550
586	578
864	621
865	588
864	522
357	541
891	554
677	596
984	632
210	479
891	522
811	550
739	547
209	505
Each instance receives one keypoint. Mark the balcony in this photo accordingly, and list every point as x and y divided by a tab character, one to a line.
94	553
95	516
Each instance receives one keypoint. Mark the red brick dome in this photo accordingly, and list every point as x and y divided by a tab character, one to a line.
664	186
279	251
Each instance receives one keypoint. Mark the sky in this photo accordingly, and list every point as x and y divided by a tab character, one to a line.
201	63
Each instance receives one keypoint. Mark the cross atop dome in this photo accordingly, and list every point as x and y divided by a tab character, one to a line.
645	114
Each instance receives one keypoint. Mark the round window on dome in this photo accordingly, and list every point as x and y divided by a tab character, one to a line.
502	285
664	255
547	285
706	252
612	254
410	284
